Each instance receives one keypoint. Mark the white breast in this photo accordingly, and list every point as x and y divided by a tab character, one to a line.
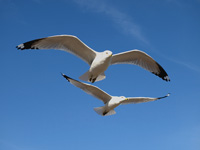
100	64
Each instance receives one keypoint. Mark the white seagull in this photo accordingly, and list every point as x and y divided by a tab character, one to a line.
110	101
98	61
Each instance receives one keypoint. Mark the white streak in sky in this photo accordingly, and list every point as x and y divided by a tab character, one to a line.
186	64
123	20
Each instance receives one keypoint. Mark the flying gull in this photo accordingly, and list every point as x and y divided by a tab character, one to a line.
110	101
98	61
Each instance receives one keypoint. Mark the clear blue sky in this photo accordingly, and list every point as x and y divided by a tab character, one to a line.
40	110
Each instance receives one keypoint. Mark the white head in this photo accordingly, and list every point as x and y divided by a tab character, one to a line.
123	98
119	99
107	53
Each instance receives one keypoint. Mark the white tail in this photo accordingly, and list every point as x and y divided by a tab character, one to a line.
101	77
85	77
101	111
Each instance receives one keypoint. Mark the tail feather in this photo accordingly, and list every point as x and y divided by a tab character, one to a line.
101	77
111	112
86	77
101	111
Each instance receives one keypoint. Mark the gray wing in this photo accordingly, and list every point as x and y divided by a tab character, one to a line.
90	89
141	59
136	100
68	43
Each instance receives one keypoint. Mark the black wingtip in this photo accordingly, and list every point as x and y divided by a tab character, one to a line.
29	44
18	48
66	77
162	74
21	46
165	96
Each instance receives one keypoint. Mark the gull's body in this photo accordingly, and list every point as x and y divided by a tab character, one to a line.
98	61
111	102
108	108
98	66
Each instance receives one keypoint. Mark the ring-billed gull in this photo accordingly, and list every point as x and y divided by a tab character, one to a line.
110	101
98	61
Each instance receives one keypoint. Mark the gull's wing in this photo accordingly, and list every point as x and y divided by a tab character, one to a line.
90	89
141	59
136	100
68	43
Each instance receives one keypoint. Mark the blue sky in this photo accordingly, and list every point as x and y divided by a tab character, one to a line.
40	110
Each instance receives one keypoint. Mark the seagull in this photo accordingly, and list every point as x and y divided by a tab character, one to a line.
110	102
98	61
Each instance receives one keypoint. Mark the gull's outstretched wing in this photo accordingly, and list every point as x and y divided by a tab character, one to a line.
136	100
141	59
90	89
68	43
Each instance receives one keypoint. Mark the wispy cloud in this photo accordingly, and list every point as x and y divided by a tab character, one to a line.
121	19
188	65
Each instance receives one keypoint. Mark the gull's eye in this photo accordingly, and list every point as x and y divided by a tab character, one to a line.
106	52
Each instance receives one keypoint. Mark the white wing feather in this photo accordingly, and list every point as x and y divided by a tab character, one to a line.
141	59
68	43
90	89
136	100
